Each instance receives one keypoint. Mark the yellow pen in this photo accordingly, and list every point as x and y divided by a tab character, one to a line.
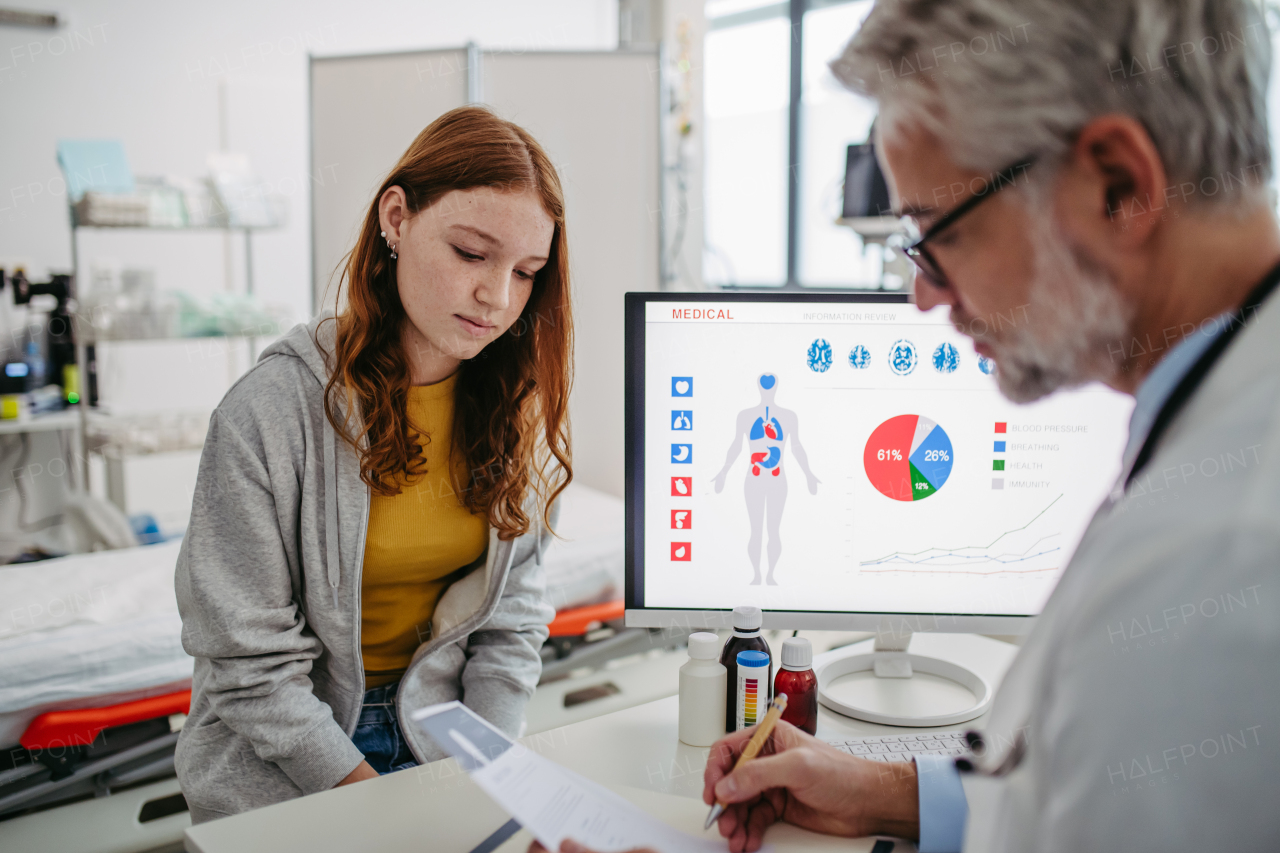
754	746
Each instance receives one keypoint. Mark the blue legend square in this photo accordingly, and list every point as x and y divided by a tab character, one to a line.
682	454
681	419
999	447
681	386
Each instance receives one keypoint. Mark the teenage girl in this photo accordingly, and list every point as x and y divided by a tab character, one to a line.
374	494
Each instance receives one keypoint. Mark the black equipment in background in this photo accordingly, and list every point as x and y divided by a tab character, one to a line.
865	190
58	350
61	346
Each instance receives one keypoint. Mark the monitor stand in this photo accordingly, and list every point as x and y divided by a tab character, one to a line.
891	660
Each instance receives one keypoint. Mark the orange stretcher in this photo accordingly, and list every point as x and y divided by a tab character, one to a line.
64	755
81	727
581	620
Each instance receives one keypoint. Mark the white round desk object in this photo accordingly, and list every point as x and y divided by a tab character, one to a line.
894	696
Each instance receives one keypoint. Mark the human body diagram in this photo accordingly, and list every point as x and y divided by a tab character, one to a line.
767	428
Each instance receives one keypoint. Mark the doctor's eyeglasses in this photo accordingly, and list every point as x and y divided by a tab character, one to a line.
918	252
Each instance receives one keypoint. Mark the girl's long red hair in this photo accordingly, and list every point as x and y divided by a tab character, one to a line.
510	423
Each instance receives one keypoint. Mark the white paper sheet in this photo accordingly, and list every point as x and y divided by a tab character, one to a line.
554	804
550	801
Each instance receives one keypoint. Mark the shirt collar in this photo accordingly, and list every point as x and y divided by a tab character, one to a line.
1164	377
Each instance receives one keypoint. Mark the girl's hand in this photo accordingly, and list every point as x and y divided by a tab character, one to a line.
363	771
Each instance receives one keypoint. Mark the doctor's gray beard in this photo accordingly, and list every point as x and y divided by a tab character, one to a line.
1074	321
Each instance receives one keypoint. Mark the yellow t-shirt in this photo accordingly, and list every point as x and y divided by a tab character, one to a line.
415	542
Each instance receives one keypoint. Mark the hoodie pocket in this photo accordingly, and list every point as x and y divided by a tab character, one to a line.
434	678
221	774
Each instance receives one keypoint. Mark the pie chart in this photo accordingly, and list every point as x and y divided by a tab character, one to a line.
907	458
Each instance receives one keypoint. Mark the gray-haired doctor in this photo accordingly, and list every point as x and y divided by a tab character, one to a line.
1098	169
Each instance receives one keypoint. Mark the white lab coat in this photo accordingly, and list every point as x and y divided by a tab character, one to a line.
1150	686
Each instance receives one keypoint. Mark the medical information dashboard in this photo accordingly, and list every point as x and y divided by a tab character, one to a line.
853	457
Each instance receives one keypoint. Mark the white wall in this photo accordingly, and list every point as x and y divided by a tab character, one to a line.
608	166
148	73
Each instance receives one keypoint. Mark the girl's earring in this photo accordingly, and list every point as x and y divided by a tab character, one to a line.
393	252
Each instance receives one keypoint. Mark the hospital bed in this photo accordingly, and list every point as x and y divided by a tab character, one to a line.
93	678
94	684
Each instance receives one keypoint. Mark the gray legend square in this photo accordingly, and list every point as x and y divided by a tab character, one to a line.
997	482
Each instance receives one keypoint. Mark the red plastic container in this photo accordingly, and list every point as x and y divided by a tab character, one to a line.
801	688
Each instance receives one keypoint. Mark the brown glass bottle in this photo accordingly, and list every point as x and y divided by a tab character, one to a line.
796	679
746	637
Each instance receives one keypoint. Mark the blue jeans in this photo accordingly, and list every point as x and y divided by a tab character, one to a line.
378	733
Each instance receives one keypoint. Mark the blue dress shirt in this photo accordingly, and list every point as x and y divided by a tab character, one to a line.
943	807
1164	377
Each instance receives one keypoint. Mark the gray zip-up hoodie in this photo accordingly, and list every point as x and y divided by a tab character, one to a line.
268	585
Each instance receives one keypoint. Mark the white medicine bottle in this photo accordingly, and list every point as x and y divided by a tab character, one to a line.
703	689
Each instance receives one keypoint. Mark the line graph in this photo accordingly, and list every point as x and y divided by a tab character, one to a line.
962	571
1016	552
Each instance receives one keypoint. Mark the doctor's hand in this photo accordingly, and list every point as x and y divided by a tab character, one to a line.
571	846
803	781
718	482
813	483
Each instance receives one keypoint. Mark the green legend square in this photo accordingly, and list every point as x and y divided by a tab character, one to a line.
997	464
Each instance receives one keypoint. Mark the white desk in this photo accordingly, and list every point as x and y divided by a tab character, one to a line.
436	807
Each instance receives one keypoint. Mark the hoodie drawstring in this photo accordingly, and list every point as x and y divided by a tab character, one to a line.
331	509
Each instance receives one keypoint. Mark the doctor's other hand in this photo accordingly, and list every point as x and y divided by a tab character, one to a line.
571	846
813	484
718	482
804	781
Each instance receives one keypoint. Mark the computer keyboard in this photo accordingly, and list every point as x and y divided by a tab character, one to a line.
889	748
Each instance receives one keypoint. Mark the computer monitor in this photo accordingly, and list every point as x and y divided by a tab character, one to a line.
845	461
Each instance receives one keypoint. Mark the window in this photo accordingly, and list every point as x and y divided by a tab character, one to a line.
769	93
747	101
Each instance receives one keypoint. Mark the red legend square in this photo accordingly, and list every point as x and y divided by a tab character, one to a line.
681	487
681	519
681	552
1001	426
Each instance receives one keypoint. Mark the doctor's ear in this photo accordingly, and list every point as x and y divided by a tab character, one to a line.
393	210
1117	181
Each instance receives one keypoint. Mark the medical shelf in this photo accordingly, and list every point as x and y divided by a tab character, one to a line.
98	226
129	339
84	340
51	422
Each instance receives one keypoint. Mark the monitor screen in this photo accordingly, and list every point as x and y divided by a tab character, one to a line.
845	454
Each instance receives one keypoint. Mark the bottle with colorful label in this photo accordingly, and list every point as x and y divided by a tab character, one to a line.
753	689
